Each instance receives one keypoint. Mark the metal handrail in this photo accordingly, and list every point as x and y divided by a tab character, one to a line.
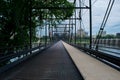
111	60
28	53
13	55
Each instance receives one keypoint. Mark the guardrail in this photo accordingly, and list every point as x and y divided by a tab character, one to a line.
21	56
106	58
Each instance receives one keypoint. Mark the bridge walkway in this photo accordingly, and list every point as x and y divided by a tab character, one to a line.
52	64
91	68
62	62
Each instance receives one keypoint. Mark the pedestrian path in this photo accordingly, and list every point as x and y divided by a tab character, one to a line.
52	64
91	68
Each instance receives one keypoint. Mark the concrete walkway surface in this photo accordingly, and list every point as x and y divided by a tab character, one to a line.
91	68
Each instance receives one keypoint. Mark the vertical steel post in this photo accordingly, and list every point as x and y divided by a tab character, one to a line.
75	26
90	14
72	35
80	16
45	35
30	24
52	35
69	31
39	35
49	33
46	29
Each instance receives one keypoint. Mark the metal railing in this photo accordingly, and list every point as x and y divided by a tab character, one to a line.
10	60
112	61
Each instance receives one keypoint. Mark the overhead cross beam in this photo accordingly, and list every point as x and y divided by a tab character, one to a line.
61	24
60	18
62	27
60	31
61	7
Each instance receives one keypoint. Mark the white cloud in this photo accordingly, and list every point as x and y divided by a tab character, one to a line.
98	12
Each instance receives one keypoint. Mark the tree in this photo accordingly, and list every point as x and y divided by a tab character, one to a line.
109	36
15	16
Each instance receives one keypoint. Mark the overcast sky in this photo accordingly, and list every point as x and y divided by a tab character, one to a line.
98	11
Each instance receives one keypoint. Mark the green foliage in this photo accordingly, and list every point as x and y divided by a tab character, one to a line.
109	36
59	14
15	16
